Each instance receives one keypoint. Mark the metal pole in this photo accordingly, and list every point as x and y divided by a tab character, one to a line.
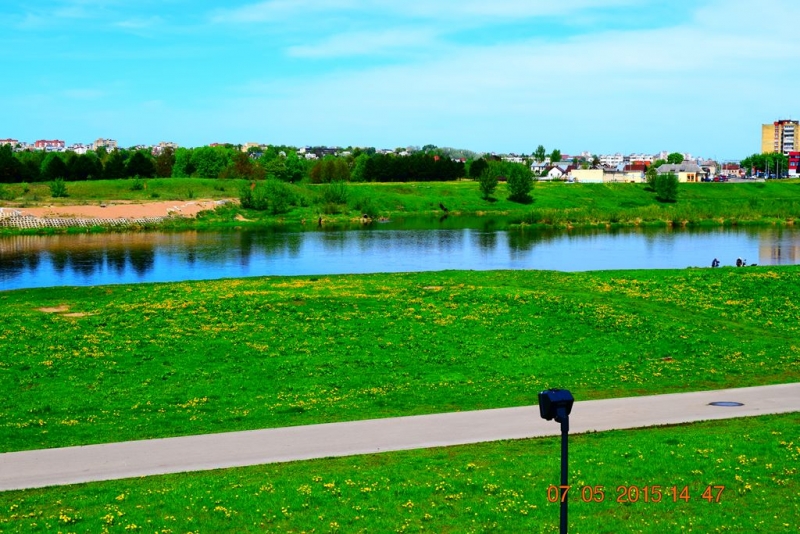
564	462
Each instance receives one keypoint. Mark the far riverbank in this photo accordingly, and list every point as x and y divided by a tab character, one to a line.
309	206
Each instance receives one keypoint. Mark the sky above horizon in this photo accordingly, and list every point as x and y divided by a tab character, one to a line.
602	76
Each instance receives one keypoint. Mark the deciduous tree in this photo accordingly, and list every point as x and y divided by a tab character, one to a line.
667	187
487	182
675	158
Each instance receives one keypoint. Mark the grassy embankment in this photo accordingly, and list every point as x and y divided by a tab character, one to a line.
132	362
499	487
553	204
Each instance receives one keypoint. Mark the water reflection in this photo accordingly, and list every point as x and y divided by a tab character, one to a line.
92	259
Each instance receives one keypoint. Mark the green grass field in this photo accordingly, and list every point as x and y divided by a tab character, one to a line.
102	364
649	480
552	205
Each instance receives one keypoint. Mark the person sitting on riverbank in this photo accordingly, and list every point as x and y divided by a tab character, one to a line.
715	263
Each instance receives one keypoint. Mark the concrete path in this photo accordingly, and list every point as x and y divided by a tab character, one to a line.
70	465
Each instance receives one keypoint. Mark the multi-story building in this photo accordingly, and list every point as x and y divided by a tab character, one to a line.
12	142
108	144
612	160
46	144
794	163
162	146
782	136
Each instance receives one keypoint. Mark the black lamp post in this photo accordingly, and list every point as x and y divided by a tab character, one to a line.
557	404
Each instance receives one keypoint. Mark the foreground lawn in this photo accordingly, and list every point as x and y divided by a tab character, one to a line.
750	466
114	363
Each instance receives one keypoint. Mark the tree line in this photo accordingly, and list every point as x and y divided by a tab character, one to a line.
228	161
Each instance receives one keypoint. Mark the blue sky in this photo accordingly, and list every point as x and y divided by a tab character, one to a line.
502	75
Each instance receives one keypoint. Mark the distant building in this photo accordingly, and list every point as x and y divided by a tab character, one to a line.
163	145
108	144
79	148
686	172
247	146
612	160
50	145
781	136
12	142
794	163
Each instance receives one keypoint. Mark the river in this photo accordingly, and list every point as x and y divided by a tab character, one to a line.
111	258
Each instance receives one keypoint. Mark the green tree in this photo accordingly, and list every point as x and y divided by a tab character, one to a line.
487	182
650	176
183	167
294	169
209	162
520	182
242	166
85	167
31	161
140	165
54	167
676	158
10	166
774	163
115	166
330	169
164	162
555	156
359	168
667	187
477	168
539	154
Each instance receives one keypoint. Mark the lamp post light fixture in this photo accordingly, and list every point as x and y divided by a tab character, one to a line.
557	404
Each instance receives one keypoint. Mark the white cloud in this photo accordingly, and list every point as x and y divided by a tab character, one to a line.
140	23
84	94
366	43
279	10
443	10
645	86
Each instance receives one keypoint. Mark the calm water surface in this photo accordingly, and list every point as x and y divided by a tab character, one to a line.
94	259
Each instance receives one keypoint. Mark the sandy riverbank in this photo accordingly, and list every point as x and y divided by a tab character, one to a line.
123	210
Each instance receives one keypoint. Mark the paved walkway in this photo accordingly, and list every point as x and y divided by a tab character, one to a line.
70	465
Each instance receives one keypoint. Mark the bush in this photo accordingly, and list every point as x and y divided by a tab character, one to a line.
667	188
137	185
273	196
365	206
5	194
58	189
335	193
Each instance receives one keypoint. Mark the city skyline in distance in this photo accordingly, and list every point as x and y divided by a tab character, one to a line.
607	76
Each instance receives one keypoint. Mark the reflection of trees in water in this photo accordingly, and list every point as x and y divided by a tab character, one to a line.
85	261
524	240
142	259
59	258
14	264
334	240
116	259
273	243
487	241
